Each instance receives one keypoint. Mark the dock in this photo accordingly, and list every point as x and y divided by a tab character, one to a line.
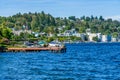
52	49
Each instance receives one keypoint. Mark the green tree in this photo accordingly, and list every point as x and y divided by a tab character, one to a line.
115	34
95	38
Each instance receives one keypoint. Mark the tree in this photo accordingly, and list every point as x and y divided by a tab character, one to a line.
72	18
82	18
50	39
82	29
101	18
115	34
6	32
95	38
34	23
87	18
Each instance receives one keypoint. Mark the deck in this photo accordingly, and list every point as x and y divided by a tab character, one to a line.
53	49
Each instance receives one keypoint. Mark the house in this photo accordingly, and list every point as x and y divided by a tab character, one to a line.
18	32
114	39
71	32
29	44
54	44
68	33
91	35
60	34
42	43
83	35
77	34
119	37
99	35
106	38
88	31
36	34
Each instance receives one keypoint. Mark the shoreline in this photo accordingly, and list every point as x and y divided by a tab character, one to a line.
89	42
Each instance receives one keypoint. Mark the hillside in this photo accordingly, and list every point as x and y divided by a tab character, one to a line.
41	22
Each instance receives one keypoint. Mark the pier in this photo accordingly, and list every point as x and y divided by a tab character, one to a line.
52	49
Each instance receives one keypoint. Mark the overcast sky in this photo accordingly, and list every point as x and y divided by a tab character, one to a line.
62	8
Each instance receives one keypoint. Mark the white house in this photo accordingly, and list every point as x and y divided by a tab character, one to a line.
114	39
77	35
54	44
60	34
106	38
88	31
99	36
17	32
119	37
82	35
91	35
70	32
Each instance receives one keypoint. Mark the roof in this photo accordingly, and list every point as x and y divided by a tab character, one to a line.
41	42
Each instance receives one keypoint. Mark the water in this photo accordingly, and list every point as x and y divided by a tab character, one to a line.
84	61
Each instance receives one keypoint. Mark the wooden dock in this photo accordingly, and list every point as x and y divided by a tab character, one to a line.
52	49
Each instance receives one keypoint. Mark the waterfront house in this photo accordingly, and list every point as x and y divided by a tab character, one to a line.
29	44
114	39
99	35
55	44
88	31
91	35
42	43
119	37
82	35
106	38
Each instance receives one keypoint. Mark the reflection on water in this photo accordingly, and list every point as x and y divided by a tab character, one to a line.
85	61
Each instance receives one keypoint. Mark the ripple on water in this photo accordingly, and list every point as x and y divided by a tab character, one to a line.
83	61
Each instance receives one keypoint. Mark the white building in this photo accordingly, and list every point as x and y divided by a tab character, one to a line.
119	37
99	37
83	36
77	35
70	33
88	31
114	39
61	34
17	32
91	35
106	38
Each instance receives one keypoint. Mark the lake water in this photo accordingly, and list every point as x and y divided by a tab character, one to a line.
84	61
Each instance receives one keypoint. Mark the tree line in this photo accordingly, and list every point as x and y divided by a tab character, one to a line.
42	22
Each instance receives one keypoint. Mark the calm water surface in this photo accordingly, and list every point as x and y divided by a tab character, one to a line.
84	61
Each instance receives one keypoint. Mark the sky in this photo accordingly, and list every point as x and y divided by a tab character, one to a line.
62	8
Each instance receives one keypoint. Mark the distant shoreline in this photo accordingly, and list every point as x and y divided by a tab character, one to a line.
90	42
